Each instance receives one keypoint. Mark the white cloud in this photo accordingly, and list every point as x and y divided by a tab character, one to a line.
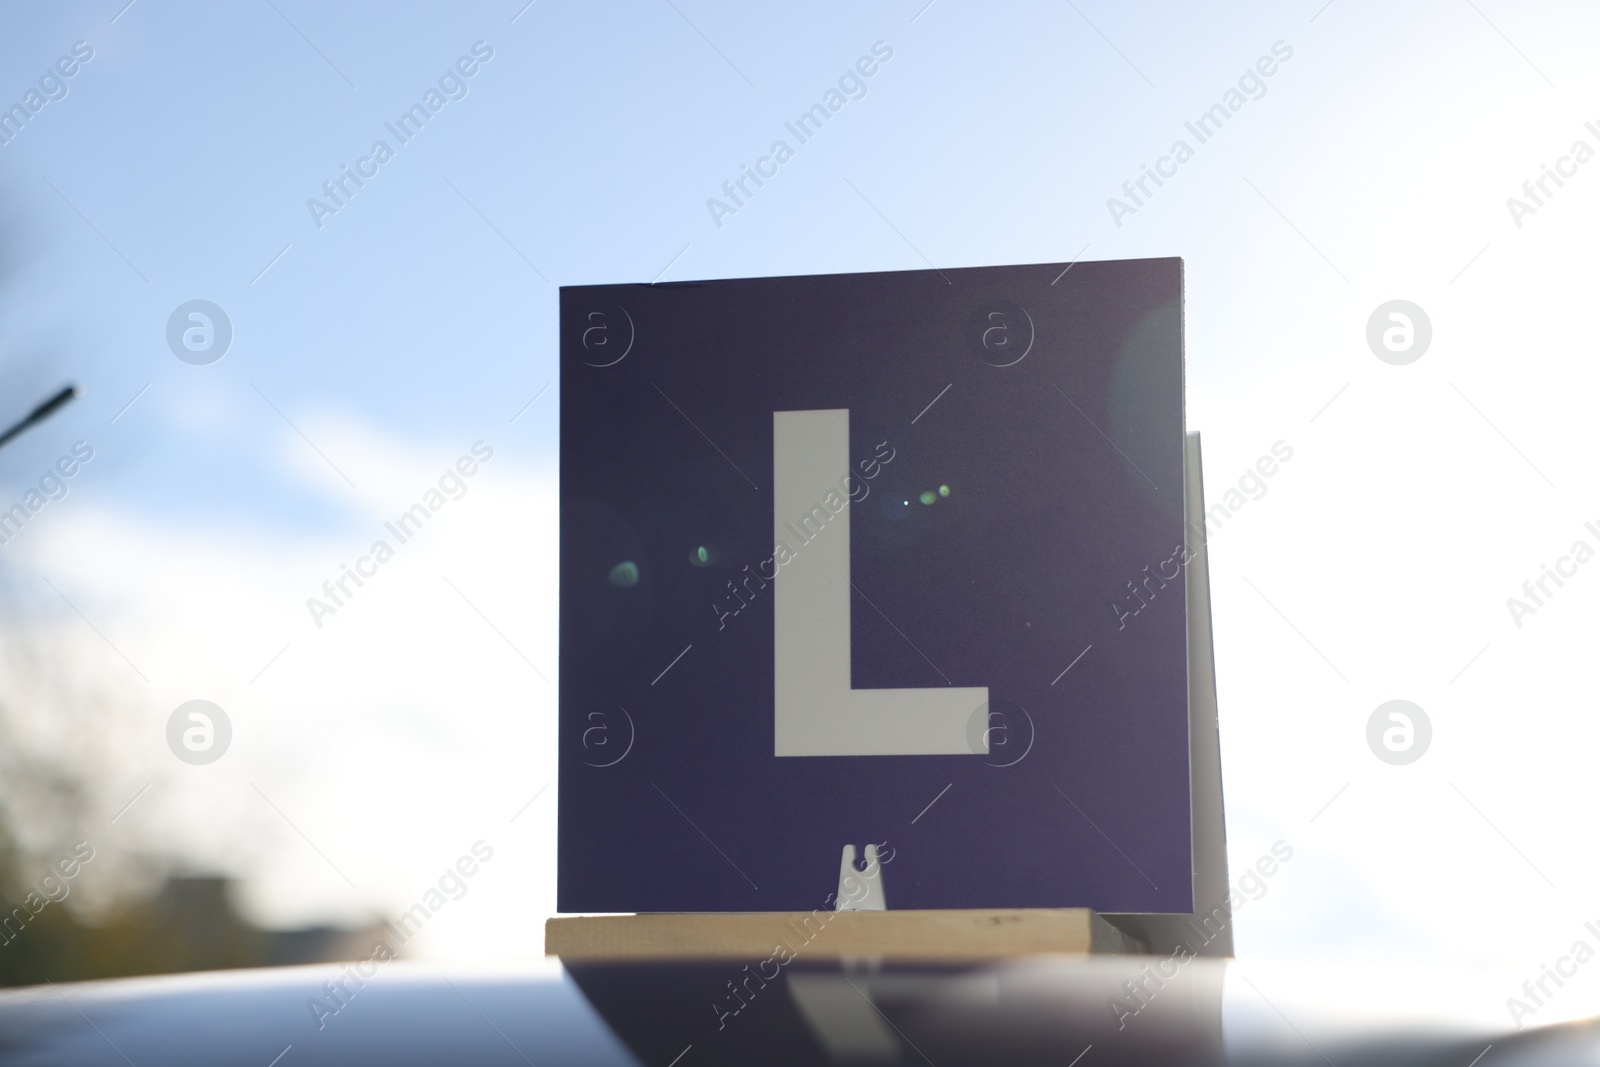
395	735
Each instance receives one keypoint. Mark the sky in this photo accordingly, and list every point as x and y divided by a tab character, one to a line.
374	345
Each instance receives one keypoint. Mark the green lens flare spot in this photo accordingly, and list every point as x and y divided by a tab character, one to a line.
624	575
928	496
944	490
700	556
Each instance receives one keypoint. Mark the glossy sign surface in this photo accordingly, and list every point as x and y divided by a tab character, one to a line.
889	558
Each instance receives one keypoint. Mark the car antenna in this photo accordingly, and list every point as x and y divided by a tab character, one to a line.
40	413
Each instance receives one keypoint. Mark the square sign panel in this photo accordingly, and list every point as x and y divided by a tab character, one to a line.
875	558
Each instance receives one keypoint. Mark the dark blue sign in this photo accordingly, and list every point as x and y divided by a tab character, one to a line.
875	558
